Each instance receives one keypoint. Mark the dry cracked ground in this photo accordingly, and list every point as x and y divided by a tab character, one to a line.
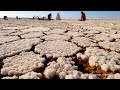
66	49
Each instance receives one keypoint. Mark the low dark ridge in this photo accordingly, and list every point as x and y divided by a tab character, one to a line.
104	49
43	39
19	36
70	39
83	48
66	31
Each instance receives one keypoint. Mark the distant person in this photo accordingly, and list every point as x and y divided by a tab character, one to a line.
5	18
58	17
49	16
83	16
33	17
17	17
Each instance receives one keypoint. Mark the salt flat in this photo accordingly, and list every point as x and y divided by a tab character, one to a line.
62	49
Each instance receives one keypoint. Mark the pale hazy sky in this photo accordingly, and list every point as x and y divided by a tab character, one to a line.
64	14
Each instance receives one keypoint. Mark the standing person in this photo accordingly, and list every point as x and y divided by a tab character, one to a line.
17	17
49	16
83	16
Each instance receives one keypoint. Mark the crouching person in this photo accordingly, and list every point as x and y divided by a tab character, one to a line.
83	16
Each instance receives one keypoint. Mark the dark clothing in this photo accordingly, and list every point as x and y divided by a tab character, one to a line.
49	16
83	16
5	18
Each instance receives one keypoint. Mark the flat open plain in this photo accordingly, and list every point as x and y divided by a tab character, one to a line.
59	49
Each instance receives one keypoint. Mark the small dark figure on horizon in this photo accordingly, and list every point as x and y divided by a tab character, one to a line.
49	16
17	17
33	17
5	18
83	16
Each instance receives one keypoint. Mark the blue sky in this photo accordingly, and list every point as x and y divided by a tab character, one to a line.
64	14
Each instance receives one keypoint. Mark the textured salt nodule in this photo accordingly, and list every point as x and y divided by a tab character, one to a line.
108	61
22	63
114	76
35	29
93	76
5	39
32	35
31	75
15	47
62	67
13	77
57	48
84	42
52	37
113	46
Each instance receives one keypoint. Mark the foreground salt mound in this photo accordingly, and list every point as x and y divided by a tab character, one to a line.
15	47
89	76
55	37
23	63
113	46
114	76
63	68
8	77
57	48
32	35
5	39
31	75
108	61
17	28
40	29
83	41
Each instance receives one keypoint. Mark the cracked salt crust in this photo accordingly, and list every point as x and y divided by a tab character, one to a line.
113	46
55	37
12	48
74	34
5	39
35	29
21	64
6	32
83	41
16	28
57	48
18	33
56	31
32	35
